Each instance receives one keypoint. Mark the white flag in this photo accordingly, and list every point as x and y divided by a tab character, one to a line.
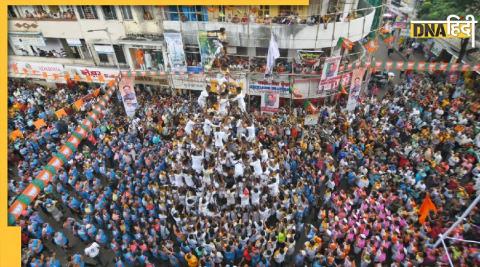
273	54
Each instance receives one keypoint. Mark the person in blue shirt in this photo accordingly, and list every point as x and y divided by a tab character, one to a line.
52	261
78	260
35	246
60	239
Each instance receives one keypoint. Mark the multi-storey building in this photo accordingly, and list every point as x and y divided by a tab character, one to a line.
103	39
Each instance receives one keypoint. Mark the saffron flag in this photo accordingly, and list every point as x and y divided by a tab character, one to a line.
60	113
16	134
425	209
39	123
96	92
388	38
78	104
371	46
273	54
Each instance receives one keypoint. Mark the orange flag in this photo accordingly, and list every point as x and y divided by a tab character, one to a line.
111	83
60	113
39	123
101	78
76	77
425	209
96	92
78	104
16	134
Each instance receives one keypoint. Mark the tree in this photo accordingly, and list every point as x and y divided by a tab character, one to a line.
441	9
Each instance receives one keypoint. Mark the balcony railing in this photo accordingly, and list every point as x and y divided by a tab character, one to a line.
315	32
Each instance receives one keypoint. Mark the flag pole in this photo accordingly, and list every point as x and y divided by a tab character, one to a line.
460	219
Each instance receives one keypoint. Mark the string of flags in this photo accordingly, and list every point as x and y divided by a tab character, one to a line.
371	46
40	123
58	159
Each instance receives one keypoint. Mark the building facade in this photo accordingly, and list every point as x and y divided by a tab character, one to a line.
105	39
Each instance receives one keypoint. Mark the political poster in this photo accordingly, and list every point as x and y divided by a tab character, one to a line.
270	102
330	67
129	99
355	88
329	86
176	54
210	47
310	60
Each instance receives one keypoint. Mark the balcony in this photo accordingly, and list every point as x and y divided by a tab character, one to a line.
294	36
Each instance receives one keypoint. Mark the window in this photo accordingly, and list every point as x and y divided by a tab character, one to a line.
103	58
285	9
261	52
264	10
87	12
283	52
126	12
147	13
109	12
119	53
242	51
11	12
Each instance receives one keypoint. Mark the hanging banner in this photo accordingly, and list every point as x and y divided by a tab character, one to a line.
176	53
33	69
310	60
330	67
355	88
210	47
270	102
265	86
329	86
129	98
27	39
190	82
311	119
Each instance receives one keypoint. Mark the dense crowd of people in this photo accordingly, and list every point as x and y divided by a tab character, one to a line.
208	183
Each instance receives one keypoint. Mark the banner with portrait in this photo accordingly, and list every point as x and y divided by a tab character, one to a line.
330	86
270	102
129	98
210	47
176	53
310	60
330	67
355	89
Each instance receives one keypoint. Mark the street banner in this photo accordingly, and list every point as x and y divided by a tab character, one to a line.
127	91
270	102
355	88
330	67
210	47
311	119
329	86
176	54
46	70
189	81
